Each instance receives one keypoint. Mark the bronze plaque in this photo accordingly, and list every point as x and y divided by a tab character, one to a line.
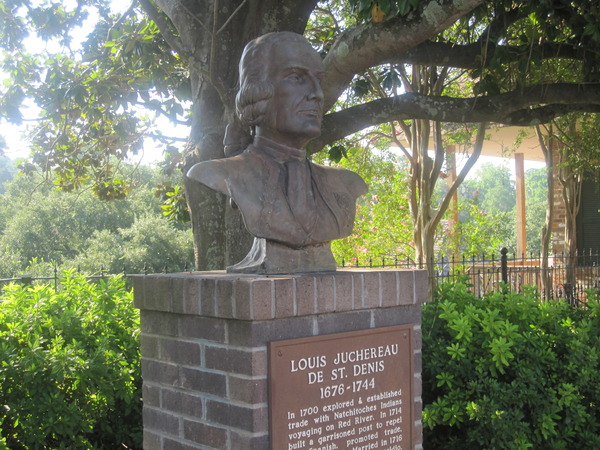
342	391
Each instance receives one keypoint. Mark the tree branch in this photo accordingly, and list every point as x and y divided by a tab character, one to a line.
520	108
231	17
369	45
164	27
500	24
180	48
469	56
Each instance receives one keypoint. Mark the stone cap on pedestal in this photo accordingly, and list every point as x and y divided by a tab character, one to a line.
255	297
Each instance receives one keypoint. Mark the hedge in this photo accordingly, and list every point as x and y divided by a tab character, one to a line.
509	371
70	366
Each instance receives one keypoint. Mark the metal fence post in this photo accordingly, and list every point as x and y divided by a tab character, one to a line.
26	280
504	264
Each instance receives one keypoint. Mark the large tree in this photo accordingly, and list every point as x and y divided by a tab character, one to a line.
148	55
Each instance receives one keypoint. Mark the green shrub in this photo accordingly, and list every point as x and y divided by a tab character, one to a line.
69	366
510	372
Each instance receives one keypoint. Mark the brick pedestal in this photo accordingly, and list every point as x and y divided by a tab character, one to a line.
205	335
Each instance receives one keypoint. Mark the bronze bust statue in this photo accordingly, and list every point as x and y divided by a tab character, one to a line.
293	207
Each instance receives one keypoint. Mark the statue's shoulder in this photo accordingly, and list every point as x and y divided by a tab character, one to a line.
341	179
214	173
225	174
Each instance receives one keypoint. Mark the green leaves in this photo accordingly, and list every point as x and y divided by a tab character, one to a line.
383	224
501	354
337	152
69	366
90	234
174	205
378	10
507	371
97	99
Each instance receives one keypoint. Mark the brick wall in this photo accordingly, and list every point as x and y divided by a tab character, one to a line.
205	335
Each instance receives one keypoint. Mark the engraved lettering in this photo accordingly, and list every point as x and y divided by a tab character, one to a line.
310	363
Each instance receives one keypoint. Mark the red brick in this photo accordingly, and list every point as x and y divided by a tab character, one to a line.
344	291
181	402
284	298
341	322
170	444
177	294
161	323
241	297
359	291
151	395
258	333
421	287
180	352
157	292
138	291
191	296
262	299
255	420
247	390
418	335
249	442
160	420
305	295
389	288
238	375
417	362
204	434
235	361
207	297
417	385
371	290
400	315
417	408
152	441
202	381
326	294
418	436
406	287
159	372
149	346
203	328
224	298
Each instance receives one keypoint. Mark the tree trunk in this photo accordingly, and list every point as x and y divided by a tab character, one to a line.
571	192
425	173
546	278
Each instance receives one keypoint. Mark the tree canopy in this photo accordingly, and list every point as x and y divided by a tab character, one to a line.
506	62
44	229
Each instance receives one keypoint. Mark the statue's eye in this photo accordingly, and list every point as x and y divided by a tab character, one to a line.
294	76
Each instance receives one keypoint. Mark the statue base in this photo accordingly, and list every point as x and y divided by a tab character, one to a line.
271	258
207	365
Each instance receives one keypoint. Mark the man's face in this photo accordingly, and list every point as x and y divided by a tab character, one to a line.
295	112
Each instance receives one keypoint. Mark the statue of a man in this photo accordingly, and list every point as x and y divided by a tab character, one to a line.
293	207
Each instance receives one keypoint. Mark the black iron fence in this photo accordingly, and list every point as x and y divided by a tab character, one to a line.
563	277
57	275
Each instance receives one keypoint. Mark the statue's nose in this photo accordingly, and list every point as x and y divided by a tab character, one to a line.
316	93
